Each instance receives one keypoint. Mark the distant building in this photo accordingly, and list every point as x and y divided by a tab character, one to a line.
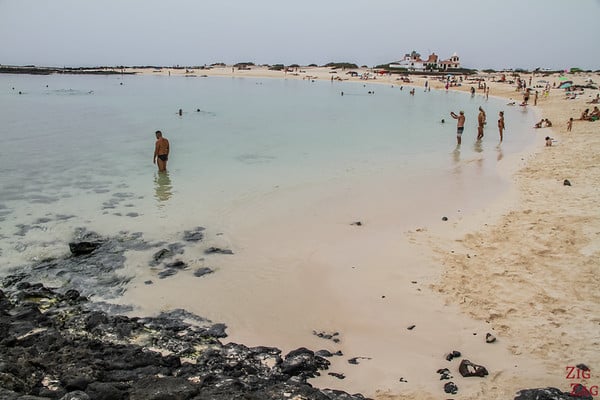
451	63
413	62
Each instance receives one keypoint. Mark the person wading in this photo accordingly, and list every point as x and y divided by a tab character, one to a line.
161	152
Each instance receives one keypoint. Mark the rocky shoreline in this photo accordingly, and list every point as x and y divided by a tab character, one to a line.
56	343
33	70
55	346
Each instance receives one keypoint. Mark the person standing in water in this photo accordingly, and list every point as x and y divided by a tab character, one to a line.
480	123
460	125
501	124
161	152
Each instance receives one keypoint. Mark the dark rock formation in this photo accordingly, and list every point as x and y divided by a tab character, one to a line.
329	336
489	338
583	367
355	360
451	388
203	271
161	255
551	393
467	368
444	374
55	346
327	353
216	250
195	235
82	248
452	355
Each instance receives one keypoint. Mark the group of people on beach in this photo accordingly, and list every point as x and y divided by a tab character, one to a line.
544	123
481	122
586	115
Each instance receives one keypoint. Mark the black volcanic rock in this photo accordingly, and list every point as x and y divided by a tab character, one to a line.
82	248
550	393
72	352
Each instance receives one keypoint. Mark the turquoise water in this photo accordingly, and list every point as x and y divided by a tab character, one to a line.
77	150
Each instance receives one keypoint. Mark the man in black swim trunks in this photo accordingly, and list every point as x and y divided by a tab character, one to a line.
161	152
460	126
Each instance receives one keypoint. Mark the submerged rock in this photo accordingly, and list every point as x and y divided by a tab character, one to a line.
203	271
194	235
82	248
217	250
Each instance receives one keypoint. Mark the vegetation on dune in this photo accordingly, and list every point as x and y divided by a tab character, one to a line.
342	65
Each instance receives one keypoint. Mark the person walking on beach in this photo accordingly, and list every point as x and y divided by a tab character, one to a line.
460	125
501	124
161	152
480	123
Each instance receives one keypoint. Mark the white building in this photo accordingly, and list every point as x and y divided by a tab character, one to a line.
413	62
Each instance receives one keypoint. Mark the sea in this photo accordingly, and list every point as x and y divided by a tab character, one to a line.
281	172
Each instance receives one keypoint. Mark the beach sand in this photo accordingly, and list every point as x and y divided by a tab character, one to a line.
524	268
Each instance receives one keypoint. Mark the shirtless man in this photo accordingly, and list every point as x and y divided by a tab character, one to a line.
480	123
460	125
161	152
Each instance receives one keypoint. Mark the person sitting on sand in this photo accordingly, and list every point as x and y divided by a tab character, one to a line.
594	115
539	124
596	100
548	141
548	123
584	115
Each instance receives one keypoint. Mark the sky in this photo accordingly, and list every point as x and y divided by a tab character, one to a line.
497	34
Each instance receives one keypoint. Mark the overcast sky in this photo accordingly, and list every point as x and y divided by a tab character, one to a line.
484	33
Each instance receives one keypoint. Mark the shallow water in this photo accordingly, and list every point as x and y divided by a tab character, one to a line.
275	170
82	145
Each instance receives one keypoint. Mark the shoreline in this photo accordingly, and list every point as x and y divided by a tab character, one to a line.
538	200
514	212
488	216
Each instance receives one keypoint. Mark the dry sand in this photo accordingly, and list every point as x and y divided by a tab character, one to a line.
534	274
525	268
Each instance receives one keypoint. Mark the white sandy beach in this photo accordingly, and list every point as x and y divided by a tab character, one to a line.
524	268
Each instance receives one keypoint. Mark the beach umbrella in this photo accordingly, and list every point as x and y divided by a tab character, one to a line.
565	85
